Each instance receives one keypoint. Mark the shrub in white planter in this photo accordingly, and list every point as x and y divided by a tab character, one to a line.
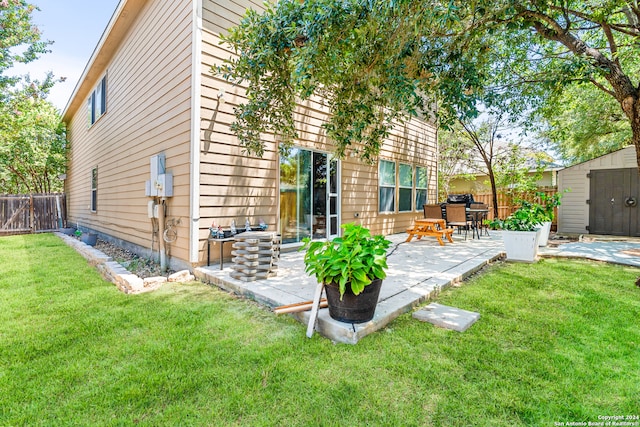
545	212
521	233
521	245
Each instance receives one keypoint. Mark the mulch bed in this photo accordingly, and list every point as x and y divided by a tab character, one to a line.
142	267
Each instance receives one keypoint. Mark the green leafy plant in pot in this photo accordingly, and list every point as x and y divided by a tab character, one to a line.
548	205
520	235
545	209
352	268
527	217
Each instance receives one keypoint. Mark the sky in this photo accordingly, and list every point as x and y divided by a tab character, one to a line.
75	27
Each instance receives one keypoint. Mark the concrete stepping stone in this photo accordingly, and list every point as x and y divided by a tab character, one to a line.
447	317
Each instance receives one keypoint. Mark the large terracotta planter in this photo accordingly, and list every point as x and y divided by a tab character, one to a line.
353	308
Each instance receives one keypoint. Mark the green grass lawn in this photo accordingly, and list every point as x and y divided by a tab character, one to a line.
557	341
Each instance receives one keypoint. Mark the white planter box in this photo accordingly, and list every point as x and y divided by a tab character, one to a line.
521	245
544	233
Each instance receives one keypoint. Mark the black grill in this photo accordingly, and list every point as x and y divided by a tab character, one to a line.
467	199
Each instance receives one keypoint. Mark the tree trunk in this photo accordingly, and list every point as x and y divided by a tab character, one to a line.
633	113
494	192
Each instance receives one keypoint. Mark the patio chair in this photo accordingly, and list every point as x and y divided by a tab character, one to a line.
432	211
481	218
457	217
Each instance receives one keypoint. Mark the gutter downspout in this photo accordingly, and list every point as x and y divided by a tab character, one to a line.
196	103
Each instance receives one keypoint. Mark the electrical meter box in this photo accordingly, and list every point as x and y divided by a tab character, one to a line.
164	185
158	163
161	183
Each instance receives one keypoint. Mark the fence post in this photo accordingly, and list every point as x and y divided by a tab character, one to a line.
32	221
59	211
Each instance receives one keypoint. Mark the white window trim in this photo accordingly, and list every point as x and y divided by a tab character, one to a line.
394	186
426	188
97	105
93	203
411	187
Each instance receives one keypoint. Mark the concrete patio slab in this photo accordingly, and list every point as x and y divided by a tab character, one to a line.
447	317
418	271
616	252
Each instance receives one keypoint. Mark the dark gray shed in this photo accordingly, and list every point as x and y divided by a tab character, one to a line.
604	195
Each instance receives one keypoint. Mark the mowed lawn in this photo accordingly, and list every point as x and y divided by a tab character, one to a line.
557	342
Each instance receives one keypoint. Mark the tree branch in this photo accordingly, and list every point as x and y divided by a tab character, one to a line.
626	29
553	29
602	87
613	47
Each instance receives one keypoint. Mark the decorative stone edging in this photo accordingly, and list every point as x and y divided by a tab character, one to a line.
112	271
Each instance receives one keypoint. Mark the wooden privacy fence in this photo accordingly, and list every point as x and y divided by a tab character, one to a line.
32	213
507	203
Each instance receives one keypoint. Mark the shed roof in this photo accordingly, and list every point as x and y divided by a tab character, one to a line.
622	158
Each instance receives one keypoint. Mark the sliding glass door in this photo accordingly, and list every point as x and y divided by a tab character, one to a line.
309	196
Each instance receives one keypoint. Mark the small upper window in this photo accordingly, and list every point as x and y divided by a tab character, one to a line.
97	102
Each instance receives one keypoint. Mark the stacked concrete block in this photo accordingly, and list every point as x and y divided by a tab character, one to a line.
255	256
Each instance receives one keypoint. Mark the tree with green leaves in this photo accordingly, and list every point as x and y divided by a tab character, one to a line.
370	62
20	40
377	62
33	149
478	147
454	155
33	146
580	124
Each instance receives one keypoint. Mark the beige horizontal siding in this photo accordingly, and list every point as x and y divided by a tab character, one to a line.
149	105
218	15
148	112
233	186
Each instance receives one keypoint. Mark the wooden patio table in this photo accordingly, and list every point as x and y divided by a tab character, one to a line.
433	227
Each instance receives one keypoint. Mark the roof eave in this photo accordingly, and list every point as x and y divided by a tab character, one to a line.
114	33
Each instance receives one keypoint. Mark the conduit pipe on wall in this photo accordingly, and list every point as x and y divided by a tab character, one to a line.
162	246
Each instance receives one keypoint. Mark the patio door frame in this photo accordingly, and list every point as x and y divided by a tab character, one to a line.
332	217
333	195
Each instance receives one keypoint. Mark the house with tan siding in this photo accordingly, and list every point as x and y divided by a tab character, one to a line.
148	104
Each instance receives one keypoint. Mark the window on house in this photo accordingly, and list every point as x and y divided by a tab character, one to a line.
421	187
97	102
94	189
387	186
405	188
